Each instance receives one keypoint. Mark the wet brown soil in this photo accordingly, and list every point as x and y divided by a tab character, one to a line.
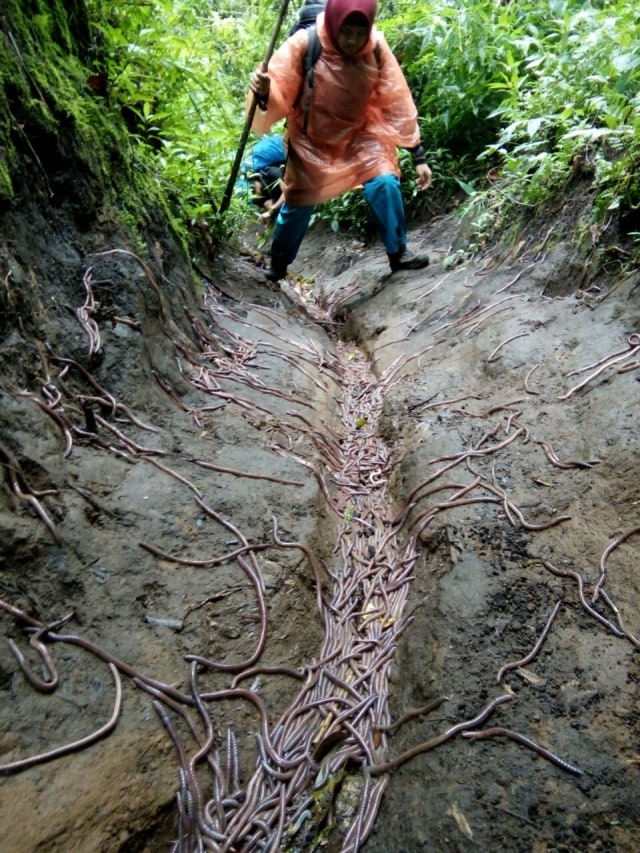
206	412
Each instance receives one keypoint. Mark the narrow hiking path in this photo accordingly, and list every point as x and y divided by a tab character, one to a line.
333	545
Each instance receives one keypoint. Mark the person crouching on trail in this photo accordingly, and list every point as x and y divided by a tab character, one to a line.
361	111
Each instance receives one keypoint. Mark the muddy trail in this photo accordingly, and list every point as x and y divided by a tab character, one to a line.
350	566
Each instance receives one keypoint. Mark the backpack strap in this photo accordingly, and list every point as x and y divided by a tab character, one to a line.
314	49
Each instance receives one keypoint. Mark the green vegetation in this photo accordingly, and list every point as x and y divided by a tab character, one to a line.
50	116
518	100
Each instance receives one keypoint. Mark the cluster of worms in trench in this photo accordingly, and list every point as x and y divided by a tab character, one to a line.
335	734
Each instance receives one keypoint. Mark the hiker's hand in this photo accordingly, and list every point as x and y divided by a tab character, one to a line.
423	176
260	83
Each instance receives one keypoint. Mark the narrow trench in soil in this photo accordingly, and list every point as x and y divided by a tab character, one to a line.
308	782
315	776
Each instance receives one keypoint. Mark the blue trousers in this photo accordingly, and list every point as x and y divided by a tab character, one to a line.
384	196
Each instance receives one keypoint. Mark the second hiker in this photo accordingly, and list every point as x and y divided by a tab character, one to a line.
344	132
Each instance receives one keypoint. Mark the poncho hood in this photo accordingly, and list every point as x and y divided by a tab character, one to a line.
337	11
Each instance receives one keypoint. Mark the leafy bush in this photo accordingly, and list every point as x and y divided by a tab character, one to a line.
529	94
178	70
570	109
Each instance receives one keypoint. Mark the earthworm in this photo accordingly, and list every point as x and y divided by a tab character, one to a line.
472	329
168	725
413	713
14	475
206	719
327	440
257	701
603	568
634	640
497	731
391	373
93	649
514	280
44	686
75	745
171	472
168	390
84	316
569	573
500	407
333	734
295	362
280	775
17	475
494	354
311	558
634	365
427	404
233	398
174	704
147	271
534	651
236	473
394	763
482	309
429	292
268	670
319	478
526	380
212	561
69	362
426	517
257	385
262	607
190	787
569	463
510	507
131	445
228	525
542	525
634	347
21	615
409	503
233	761
370	803
632	340
55	416
465	454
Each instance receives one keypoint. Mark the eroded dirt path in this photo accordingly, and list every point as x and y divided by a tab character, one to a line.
337	535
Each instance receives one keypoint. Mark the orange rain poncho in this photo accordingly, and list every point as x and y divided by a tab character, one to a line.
361	112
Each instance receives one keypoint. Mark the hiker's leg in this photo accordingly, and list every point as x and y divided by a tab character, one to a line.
385	200
291	225
384	197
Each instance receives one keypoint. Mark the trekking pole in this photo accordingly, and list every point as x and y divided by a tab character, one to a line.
226	198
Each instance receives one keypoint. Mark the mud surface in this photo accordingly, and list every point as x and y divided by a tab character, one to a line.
204	422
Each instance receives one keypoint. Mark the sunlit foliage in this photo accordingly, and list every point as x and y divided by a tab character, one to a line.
516	99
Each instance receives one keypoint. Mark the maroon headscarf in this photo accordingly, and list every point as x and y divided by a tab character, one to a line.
337	11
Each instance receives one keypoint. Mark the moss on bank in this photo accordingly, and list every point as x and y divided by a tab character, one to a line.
59	138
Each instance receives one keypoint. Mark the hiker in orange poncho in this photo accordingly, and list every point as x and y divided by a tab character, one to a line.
361	111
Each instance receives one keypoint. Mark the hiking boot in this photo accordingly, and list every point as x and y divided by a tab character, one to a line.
408	260
275	273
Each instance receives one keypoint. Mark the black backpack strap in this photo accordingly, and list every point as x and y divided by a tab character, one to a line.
314	49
